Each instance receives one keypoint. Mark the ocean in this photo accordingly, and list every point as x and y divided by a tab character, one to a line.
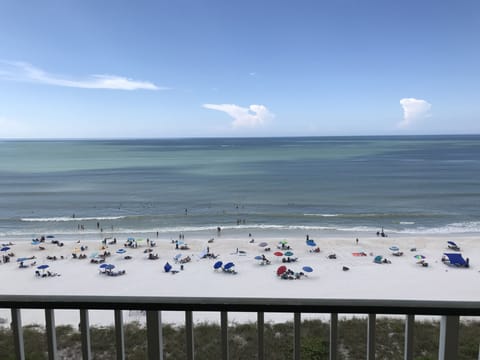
408	184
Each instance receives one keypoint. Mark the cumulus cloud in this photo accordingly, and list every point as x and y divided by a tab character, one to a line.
413	110
22	71
253	116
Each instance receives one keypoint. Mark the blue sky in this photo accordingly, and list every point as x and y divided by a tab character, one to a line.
114	68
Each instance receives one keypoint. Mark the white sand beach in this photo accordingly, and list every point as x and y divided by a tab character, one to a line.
403	278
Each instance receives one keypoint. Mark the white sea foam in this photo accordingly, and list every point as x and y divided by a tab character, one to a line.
65	218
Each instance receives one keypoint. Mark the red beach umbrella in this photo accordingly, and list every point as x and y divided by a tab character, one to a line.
281	270
278	253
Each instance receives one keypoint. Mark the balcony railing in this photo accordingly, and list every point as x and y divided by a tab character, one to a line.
450	312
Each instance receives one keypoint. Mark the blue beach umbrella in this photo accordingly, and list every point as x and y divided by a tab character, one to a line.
228	265
121	251
109	267
258	257
451	243
35	242
167	267
288	253
103	266
217	265
177	257
50	236
22	259
394	248
5	248
307	269
43	267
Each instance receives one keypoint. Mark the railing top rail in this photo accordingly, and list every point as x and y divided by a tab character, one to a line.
243	304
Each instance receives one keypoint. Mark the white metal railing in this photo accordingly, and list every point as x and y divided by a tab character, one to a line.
450	311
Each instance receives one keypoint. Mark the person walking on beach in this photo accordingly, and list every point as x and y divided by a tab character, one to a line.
356	241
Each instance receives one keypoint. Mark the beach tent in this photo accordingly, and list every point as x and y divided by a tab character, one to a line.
456	259
310	242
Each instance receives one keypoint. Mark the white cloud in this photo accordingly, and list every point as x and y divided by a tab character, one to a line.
21	71
253	116
413	110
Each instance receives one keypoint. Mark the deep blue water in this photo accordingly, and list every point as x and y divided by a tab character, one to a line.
405	184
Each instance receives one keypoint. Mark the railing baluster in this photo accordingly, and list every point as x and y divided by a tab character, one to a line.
119	335
297	322
154	335
17	334
448	344
333	336
189	334
260	335
371	337
409	333
224	335
85	335
51	334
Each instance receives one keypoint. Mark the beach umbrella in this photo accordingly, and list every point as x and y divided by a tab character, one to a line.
258	257
281	270
307	269
284	242
419	257
451	243
42	267
217	265
288	253
103	266
262	244
131	239
177	257
278	253
167	267
35	242
394	248
121	251
109	267
50	236
228	265
5	248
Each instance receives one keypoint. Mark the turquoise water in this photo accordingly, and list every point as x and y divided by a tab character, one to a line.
404	184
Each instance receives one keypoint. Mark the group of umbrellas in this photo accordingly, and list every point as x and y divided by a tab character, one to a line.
282	269
228	267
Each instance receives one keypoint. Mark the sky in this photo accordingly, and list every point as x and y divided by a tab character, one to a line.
159	69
